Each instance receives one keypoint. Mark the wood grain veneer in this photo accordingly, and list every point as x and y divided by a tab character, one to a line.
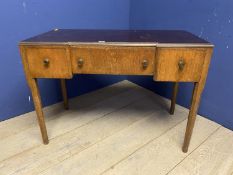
59	65
113	60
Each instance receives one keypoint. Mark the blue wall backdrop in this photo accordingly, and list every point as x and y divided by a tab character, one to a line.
24	18
212	20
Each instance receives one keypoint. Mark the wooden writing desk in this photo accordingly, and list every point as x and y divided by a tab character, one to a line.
175	56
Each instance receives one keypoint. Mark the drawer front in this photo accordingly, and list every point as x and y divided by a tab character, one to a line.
47	62
179	64
113	60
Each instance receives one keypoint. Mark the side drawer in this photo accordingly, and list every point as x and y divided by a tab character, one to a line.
49	62
113	60
179	64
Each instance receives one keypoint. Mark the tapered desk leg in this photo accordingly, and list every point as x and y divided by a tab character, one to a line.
38	108
64	93
197	91
174	95
192	115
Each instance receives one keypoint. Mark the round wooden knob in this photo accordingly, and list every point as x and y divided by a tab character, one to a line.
181	64
80	62
144	64
46	62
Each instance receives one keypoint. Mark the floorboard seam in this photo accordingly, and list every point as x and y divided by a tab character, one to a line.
193	150
94	144
64	111
142	147
72	129
103	138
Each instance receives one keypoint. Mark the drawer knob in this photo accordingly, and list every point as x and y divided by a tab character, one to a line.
80	62
144	64
46	62
181	64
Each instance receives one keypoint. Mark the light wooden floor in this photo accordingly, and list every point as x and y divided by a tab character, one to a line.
122	129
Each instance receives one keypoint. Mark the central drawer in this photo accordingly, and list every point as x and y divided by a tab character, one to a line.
113	60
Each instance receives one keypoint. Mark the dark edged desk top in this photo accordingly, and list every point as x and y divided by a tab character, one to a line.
153	37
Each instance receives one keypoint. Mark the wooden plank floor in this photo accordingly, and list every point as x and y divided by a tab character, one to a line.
122	129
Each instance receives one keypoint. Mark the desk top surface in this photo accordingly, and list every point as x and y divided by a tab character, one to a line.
65	36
